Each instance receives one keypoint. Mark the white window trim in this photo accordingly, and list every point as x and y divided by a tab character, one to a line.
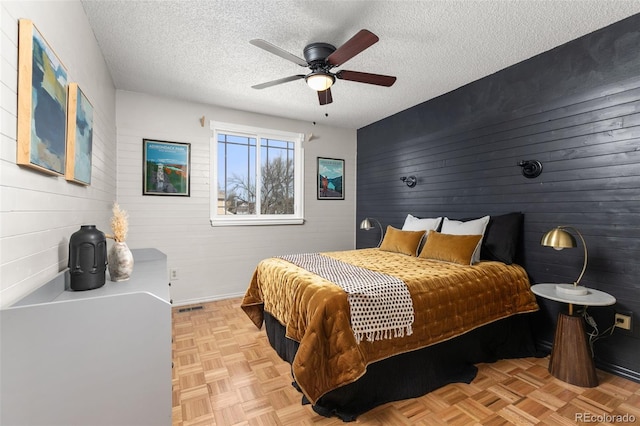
259	133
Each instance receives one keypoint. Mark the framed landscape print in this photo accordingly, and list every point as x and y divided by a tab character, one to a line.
166	168
330	179
79	136
42	103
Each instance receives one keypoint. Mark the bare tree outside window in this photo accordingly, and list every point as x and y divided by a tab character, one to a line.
277	187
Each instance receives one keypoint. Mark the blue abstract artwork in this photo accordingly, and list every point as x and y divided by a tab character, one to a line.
44	141
79	136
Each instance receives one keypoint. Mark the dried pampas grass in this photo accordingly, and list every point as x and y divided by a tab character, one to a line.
119	224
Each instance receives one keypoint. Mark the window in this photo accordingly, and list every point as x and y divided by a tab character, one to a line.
256	176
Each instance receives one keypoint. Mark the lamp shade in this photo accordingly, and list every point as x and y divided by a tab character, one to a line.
366	224
320	81
559	239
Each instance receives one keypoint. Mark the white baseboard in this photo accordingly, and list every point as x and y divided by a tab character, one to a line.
206	299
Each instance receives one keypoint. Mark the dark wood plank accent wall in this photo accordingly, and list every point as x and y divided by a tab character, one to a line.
576	109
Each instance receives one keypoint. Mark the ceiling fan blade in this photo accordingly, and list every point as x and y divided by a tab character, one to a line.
325	97
365	77
262	44
356	44
278	81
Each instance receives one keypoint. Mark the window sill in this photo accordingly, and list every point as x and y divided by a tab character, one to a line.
256	222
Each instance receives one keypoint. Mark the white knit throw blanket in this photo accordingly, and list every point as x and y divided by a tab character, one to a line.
381	306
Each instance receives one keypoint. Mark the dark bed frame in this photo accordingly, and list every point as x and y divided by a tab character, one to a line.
416	373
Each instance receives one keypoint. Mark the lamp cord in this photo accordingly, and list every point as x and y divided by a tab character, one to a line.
595	334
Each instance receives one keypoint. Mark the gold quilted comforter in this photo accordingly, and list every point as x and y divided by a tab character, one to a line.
448	300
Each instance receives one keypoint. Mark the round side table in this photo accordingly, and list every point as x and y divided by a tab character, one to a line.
571	359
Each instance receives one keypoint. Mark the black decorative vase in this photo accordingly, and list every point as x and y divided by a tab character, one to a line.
87	258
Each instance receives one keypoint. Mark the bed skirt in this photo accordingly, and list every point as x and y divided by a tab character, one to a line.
416	373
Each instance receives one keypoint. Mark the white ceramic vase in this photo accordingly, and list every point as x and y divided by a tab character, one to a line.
120	262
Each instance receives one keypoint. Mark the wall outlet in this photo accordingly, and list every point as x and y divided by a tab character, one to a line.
173	273
623	320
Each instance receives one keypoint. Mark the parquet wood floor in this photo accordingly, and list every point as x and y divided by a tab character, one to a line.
225	373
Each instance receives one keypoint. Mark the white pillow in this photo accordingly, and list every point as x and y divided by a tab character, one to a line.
471	227
412	223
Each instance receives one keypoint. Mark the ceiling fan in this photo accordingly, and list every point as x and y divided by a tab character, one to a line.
320	58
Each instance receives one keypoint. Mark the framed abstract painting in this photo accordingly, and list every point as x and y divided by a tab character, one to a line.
79	136
42	103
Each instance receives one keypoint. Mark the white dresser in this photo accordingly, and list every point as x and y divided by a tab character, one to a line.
95	357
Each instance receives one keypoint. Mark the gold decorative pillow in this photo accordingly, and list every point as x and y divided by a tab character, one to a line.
398	241
450	248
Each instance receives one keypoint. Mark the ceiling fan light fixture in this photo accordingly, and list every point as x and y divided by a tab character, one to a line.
320	81
321	58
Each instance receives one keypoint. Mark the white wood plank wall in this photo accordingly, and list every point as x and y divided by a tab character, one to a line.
38	213
216	263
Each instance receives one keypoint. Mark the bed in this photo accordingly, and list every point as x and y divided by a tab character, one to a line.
418	316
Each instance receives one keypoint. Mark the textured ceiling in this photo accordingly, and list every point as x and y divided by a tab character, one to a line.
199	50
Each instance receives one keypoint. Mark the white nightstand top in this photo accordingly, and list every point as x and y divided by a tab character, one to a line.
592	298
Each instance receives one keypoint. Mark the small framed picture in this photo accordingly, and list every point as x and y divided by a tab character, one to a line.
166	168
330	179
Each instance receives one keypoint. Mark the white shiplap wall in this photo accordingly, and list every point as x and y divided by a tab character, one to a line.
215	263
40	212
